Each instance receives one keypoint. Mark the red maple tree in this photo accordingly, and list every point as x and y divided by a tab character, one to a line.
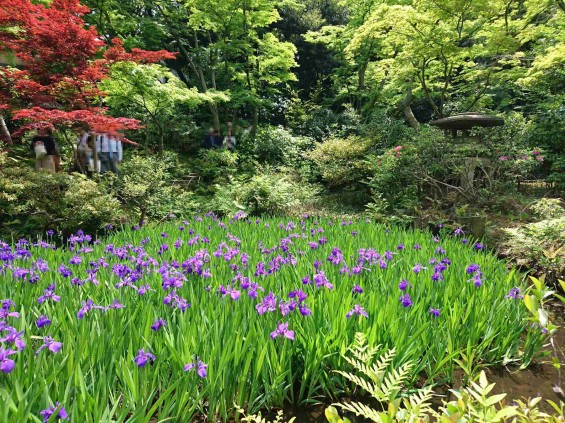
63	60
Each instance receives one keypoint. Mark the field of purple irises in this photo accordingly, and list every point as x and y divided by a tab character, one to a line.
189	317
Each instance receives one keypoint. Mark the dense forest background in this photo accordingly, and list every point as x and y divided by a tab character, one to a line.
330	102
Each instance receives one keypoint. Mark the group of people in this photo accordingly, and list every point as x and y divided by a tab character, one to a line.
213	139
107	146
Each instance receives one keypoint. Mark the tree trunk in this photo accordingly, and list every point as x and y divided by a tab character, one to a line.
215	115
407	108
361	84
199	72
4	133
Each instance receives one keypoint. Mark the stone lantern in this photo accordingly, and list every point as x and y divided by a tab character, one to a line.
464	122
475	164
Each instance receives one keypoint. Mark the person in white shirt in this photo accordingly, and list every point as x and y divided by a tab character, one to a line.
110	153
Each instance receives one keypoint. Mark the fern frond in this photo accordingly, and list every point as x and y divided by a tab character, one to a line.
360	382
384	361
395	380
364	368
361	351
362	410
418	404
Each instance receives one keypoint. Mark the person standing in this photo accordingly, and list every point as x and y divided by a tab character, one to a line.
43	144
83	150
218	140
230	141
116	153
209	139
110	152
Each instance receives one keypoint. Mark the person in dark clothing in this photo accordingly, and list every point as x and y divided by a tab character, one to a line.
218	140
209	139
45	148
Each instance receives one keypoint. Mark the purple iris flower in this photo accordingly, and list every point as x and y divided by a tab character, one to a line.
514	293
115	305
418	268
75	260
437	276
233	293
479	246
322	281
253	290
20	273
142	290
6	364
269	304
201	368
434	312
355	270
5	310
42	321
282	330
158	324
459	231
405	300
86	307
417	247
298	294
143	358
477	279
260	270
47	413
403	285
306	280
304	310
472	268
77	281
65	271
357	289
50	344
286	308
358	311
13	337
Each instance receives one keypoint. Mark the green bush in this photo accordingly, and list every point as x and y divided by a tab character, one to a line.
147	187
266	192
32	202
404	175
541	243
509	147
320	122
548	133
341	161
213	164
275	145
